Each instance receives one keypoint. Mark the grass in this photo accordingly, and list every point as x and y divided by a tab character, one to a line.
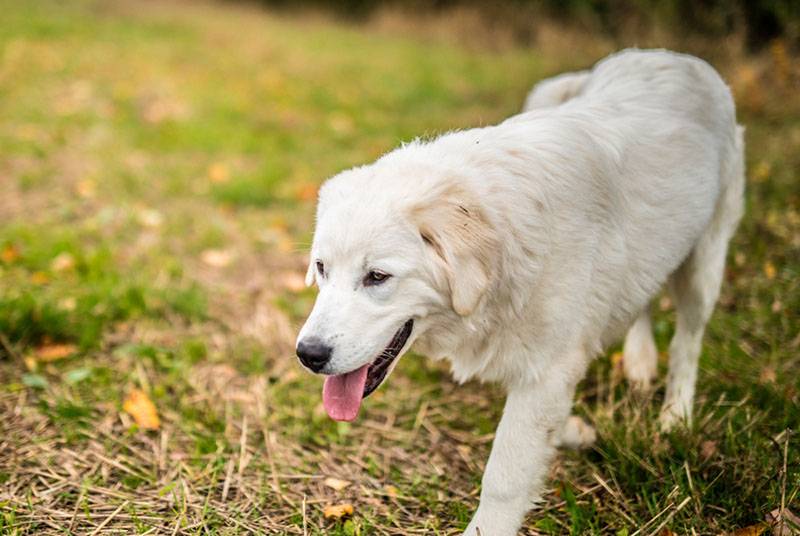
157	180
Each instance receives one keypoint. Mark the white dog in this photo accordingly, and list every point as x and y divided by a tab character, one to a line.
520	251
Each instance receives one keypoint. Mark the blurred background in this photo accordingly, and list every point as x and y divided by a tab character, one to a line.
159	163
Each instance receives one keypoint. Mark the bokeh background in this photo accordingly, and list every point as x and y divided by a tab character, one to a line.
159	163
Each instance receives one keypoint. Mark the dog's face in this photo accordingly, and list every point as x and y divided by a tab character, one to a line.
385	259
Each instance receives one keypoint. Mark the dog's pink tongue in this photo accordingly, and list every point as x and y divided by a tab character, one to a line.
341	394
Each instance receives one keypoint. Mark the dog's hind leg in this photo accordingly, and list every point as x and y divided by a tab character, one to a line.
640	355
695	288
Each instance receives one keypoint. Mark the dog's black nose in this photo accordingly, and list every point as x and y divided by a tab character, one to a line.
313	353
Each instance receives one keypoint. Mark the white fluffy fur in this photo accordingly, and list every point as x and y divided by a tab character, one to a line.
521	250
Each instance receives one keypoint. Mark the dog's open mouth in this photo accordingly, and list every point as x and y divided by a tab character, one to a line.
342	393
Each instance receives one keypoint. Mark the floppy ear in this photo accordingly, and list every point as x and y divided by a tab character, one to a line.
457	229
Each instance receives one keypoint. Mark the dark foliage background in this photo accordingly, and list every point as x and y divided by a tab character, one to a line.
759	20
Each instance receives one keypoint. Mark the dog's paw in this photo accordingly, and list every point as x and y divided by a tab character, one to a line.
672	415
577	434
640	359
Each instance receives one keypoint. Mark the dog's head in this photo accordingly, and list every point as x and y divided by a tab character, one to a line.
393	248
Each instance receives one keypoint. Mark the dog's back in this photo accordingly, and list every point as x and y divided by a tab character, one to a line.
668	101
606	192
667	122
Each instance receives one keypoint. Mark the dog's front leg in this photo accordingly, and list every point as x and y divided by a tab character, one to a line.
521	454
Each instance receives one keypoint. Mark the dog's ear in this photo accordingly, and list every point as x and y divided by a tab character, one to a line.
457	230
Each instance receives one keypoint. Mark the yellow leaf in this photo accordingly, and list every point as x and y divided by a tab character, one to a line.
54	352
9	254
761	171
391	491
769	270
142	409
30	363
338	511
218	172
336	483
616	358
86	188
752	530
39	278
307	192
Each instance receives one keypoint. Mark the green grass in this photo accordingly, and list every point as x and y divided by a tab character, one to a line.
157	175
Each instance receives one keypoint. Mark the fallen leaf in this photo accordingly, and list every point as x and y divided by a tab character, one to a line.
63	262
752	530
218	172
139	406
307	192
708	449
784	523
86	188
336	483
218	258
338	511
616	359
769	270
391	491
54	352
761	171
39	278
30	363
9	254
768	375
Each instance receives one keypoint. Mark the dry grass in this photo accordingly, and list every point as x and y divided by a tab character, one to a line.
173	153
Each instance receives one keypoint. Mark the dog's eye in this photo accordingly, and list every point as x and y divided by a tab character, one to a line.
375	277
320	268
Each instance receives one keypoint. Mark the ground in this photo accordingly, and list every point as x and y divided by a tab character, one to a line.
158	169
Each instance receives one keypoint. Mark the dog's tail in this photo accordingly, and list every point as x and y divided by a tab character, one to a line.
554	91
